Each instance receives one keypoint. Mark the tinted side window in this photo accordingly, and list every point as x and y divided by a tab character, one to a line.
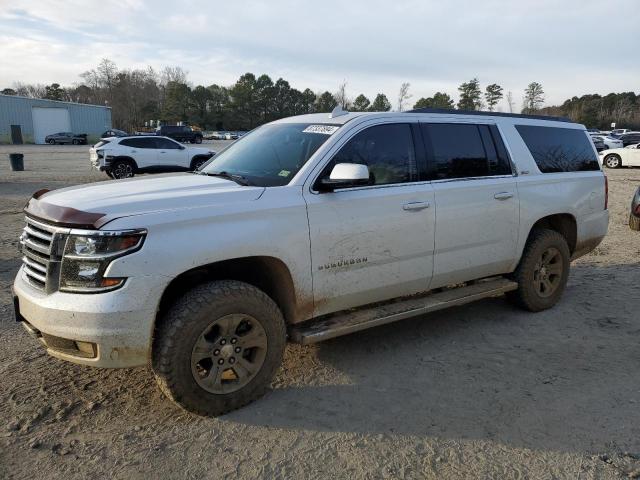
559	149
386	149
457	150
146	142
164	143
129	142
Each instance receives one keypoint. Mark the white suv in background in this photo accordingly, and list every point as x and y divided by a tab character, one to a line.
123	157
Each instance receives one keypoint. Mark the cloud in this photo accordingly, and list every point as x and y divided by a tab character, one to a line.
374	45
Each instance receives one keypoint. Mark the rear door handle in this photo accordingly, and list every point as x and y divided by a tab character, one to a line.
503	195
415	206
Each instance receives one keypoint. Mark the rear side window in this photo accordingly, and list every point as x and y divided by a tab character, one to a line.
465	151
386	149
165	143
144	142
559	149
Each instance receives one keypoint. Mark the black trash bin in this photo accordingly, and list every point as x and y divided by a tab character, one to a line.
17	162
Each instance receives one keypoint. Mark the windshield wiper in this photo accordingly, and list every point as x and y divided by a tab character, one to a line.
239	179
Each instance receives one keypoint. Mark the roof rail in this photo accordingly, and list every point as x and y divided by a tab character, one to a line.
491	114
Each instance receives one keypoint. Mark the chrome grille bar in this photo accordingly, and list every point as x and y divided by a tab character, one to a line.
40	254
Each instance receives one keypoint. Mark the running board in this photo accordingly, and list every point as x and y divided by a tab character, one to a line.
313	331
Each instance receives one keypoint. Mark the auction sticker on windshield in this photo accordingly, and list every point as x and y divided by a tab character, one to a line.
325	129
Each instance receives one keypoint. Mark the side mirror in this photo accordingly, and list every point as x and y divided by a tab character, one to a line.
182	147
345	175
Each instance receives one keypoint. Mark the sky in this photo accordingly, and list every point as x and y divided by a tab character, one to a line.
572	47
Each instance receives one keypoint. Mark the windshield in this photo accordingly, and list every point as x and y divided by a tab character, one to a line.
271	155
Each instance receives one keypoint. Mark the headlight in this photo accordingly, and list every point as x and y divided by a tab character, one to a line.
88	254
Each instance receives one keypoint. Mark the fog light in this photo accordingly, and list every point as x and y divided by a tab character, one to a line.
86	347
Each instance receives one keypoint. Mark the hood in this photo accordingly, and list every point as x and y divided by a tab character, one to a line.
93	205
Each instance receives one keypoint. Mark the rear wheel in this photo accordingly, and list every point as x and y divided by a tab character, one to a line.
122	169
543	271
198	139
613	161
75	141
51	142
218	347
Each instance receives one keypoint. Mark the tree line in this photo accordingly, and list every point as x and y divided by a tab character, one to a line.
137	96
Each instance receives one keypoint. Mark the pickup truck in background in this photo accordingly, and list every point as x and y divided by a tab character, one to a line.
180	133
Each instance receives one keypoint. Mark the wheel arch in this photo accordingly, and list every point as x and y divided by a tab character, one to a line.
126	158
198	156
563	223
269	274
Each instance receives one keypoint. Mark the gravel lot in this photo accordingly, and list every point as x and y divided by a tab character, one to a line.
480	391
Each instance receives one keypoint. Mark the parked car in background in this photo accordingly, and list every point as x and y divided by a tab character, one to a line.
593	130
230	136
630	138
216	136
598	142
181	133
123	157
612	142
308	228
609	142
622	157
619	131
634	215
114	132
66	137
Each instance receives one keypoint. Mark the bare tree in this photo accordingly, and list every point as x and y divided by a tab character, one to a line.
341	96
510	101
32	91
403	96
173	74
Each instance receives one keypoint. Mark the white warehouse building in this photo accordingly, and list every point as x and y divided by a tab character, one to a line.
30	120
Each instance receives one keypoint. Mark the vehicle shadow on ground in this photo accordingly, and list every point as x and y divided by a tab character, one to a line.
564	379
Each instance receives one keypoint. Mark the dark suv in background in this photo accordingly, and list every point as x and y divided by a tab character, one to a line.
630	138
180	133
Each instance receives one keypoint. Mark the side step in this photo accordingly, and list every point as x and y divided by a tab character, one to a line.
313	331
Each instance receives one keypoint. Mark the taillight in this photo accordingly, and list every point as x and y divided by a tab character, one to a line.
606	192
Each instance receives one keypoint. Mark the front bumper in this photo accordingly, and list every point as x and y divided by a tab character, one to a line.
102	330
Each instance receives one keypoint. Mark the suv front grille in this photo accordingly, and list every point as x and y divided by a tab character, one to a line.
40	260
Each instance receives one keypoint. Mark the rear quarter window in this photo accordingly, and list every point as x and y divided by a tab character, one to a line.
559	149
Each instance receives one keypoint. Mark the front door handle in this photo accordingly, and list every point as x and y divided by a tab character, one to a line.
503	195
415	206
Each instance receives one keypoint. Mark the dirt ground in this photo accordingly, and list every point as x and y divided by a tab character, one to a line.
480	391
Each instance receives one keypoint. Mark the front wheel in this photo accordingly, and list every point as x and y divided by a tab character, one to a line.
612	161
218	347
543	271
51	142
198	139
75	142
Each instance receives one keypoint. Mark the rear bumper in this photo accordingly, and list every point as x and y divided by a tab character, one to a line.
100	330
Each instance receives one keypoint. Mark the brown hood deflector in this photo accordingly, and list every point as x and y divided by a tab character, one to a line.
62	216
